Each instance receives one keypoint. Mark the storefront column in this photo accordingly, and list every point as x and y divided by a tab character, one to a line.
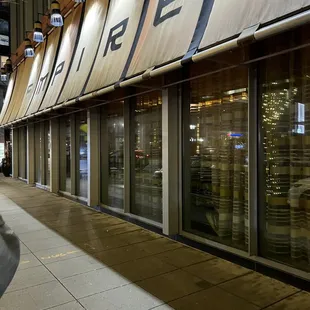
253	125
30	155
170	154
93	151
54	153
15	147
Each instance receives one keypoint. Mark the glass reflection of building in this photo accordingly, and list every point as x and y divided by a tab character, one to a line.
218	159
285	128
147	154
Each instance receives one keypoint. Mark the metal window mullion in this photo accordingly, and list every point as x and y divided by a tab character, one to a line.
42	153
30	154
104	157
62	155
253	160
15	147
74	152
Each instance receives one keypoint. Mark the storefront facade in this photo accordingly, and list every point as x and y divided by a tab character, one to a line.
215	151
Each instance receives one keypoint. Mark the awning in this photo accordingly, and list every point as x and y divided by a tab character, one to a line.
109	44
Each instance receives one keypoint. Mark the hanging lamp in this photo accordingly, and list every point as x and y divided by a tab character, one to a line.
56	18
29	51
37	33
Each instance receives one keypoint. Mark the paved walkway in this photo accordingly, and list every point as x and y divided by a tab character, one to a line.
74	258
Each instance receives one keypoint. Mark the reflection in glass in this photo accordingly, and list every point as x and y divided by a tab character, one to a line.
285	106
68	155
48	152
83	154
22	156
115	124
217	204
147	157
37	144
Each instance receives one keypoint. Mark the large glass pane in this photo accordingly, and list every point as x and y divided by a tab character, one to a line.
47	153
147	157
83	172
68	155
37	145
285	182
216	161
114	115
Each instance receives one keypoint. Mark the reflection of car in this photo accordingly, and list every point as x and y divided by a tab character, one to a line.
116	159
83	152
297	190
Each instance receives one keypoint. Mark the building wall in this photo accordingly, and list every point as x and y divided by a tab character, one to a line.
23	14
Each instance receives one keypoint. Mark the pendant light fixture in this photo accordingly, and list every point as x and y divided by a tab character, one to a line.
56	18
37	32
29	51
3	75
8	66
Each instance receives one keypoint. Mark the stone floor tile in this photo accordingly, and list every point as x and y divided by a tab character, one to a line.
158	245
93	282
27	227
216	270
173	285
28	261
299	301
37	235
184	256
74	266
30	277
23	249
213	298
59	253
36	297
104	244
259	289
121	255
45	244
128	297
74	305
143	268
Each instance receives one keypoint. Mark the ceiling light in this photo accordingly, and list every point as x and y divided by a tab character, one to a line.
37	33
56	18
29	51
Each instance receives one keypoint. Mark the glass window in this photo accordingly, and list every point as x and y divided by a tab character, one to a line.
216	158
285	180
48	152
112	148
37	137
65	154
83	155
147	157
22	153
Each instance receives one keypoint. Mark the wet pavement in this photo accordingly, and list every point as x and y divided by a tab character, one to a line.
75	258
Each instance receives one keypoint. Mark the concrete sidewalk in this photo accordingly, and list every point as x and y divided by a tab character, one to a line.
75	258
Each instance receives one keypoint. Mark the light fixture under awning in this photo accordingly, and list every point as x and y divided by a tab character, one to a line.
162	35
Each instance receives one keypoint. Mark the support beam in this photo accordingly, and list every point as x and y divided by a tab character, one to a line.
30	155
170	151
93	153
54	153
15	147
